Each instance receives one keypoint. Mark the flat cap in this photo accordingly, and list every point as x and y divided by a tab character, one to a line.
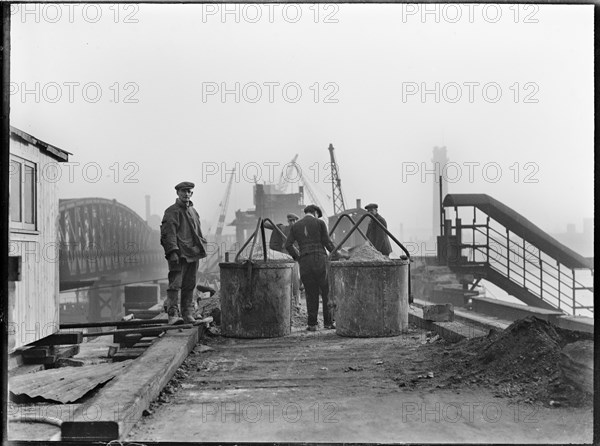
185	185
313	208
372	206
294	216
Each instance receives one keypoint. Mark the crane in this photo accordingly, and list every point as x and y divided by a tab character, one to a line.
215	256
309	189
336	185
282	184
223	205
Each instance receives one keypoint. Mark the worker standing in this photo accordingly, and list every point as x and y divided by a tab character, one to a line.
375	234
184	245
311	235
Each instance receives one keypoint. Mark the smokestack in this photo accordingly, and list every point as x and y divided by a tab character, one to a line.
358	203
147	208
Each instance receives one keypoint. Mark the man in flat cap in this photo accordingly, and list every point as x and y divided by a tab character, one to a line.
375	234
311	235
181	237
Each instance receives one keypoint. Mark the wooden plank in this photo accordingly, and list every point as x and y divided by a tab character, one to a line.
63	338
155	331
128	353
127	396
66	384
66	351
128	323
37	352
46	360
131	339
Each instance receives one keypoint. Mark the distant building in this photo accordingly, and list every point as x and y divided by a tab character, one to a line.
580	242
33	300
269	203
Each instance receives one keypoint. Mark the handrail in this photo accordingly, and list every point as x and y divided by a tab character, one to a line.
550	265
525	278
552	285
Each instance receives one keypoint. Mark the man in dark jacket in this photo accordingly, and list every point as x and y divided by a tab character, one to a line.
375	234
311	235
181	237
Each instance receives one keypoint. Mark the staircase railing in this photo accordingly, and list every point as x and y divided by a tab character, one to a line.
520	252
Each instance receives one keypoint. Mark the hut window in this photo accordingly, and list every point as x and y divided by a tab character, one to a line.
23	198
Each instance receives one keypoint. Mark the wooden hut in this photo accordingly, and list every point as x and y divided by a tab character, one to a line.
33	301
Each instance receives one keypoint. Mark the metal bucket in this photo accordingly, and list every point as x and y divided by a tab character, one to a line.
370	299
256	299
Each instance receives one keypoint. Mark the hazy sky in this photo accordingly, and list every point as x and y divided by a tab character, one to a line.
509	87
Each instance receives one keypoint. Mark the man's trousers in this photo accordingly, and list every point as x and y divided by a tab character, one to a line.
182	276
313	272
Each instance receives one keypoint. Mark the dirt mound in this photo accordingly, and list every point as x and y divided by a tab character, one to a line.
367	253
520	362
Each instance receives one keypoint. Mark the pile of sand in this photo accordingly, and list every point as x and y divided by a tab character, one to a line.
367	253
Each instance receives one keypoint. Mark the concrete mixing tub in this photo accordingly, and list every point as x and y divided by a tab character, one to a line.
256	302
370	298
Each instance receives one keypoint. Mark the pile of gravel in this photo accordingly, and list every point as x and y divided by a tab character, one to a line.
520	362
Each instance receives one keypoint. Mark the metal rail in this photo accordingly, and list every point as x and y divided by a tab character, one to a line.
547	280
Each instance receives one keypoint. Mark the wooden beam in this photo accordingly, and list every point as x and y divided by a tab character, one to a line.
63	338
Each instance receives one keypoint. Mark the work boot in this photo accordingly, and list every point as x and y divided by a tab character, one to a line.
187	308
311	328
172	300
174	319
188	315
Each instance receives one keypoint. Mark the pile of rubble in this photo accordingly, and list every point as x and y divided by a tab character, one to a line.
521	362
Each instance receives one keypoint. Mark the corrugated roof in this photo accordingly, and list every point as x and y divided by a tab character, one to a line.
65	384
50	150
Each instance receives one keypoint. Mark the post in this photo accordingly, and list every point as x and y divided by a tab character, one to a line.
574	291
507	253
558	268
441	209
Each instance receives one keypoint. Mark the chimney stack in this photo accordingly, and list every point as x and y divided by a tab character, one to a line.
358	203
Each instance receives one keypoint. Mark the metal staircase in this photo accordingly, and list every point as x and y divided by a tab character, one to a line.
501	246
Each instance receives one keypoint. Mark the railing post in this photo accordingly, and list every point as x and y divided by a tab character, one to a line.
558	267
541	273
524	260
507	253
458	241
573	276
487	241
474	223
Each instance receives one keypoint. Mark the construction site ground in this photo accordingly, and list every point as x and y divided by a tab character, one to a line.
416	387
